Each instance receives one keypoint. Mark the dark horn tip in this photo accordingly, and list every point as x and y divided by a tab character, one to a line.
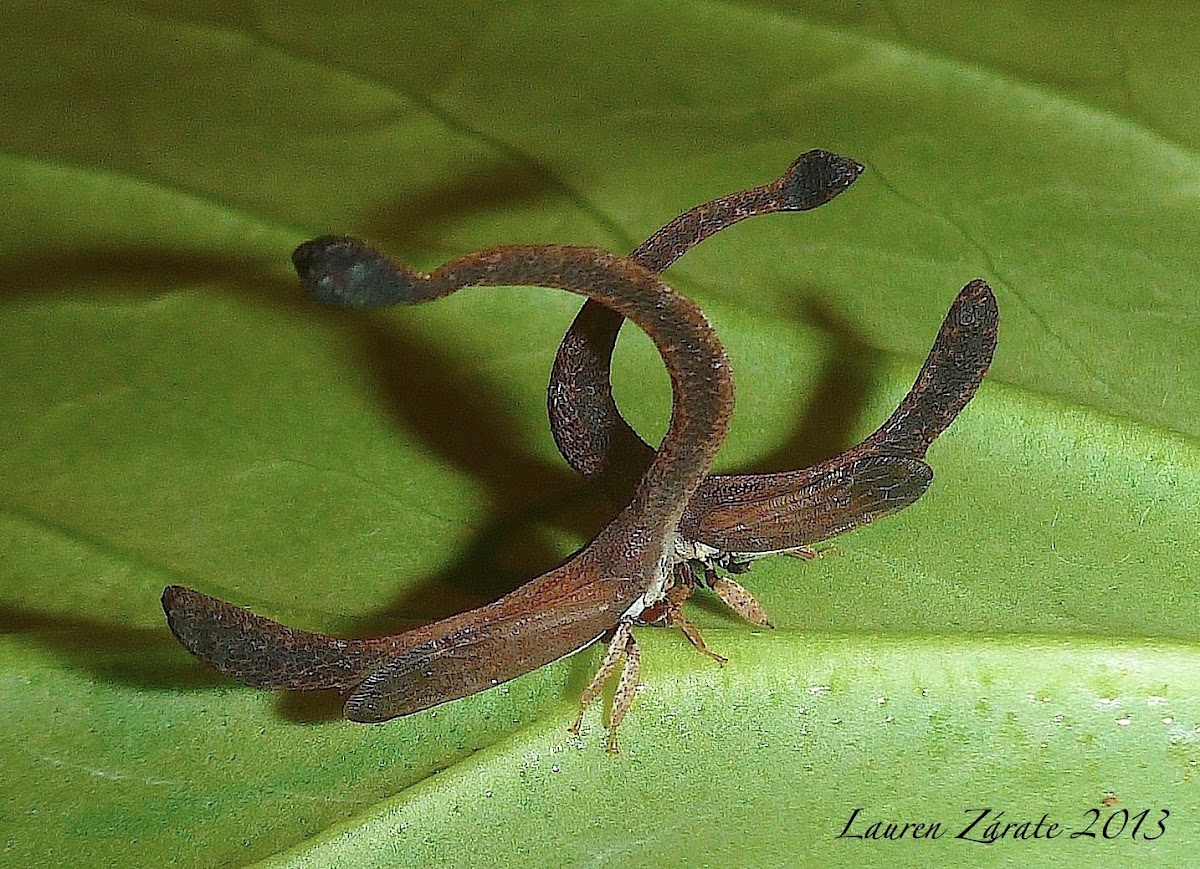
979	296
346	273
816	177
175	597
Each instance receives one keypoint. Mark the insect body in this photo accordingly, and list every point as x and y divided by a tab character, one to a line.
601	590
680	525
733	520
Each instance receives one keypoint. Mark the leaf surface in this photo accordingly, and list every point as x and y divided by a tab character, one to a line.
1024	638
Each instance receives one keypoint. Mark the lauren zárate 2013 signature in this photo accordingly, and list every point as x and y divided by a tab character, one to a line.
987	826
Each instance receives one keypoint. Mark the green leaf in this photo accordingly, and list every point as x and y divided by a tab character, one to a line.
1024	639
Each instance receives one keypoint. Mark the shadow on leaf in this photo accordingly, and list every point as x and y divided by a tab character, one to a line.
428	390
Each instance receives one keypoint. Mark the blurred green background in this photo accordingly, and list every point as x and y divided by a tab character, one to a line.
172	410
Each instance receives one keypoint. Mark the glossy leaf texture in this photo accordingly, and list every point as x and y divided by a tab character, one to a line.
174	411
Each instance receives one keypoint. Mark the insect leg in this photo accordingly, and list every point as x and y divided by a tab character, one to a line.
676	596
735	596
622	636
626	690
